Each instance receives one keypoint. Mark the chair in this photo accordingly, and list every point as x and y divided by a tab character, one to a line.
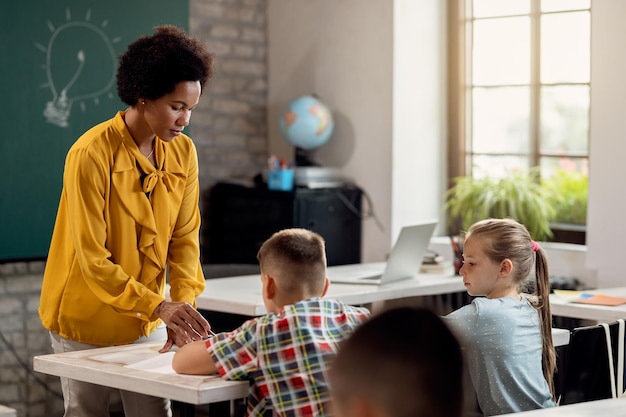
588	373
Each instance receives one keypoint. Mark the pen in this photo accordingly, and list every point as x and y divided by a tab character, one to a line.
211	334
272	163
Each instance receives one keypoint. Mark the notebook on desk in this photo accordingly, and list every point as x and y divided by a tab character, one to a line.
404	260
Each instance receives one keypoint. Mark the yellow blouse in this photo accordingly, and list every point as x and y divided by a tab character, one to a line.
115	238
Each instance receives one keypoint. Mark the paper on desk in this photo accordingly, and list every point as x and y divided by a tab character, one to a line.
161	364
568	295
581	297
127	357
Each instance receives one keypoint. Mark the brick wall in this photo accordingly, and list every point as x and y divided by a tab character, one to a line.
230	132
21	338
229	126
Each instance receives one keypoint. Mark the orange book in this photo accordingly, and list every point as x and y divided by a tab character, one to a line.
601	299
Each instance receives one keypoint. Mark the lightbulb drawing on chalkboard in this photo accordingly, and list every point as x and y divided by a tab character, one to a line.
80	66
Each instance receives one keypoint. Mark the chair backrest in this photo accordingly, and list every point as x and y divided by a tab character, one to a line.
587	370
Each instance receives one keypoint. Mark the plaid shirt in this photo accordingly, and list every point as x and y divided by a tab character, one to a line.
286	356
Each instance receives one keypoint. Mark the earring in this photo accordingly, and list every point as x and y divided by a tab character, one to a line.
143	101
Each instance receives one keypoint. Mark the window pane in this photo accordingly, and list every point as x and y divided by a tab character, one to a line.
501	120
550	165
565	47
501	53
484	8
565	119
497	166
559	5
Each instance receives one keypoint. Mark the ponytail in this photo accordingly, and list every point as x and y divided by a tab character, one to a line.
542	288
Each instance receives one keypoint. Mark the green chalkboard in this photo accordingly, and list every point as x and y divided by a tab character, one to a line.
58	61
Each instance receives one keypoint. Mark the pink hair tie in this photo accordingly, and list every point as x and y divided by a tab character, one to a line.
535	246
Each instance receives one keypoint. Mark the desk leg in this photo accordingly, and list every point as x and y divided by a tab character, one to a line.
184	409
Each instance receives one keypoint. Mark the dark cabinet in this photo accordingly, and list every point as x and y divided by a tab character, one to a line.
238	219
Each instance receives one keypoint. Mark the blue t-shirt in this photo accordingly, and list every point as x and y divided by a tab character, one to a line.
503	349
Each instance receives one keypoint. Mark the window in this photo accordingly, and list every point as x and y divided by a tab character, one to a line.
520	86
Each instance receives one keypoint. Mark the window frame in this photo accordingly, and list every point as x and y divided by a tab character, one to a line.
460	91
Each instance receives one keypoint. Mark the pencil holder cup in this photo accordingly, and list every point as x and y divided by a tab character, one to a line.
280	180
458	263
457	253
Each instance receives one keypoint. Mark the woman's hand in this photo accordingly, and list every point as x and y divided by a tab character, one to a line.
184	323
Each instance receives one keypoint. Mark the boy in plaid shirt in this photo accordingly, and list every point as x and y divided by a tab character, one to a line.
284	354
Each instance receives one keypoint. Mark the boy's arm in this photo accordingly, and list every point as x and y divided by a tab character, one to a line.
194	359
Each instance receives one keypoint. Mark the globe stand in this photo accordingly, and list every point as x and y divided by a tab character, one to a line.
303	158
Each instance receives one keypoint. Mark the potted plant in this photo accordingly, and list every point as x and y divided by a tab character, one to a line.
567	193
518	195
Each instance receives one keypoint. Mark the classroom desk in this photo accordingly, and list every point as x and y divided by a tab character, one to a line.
605	314
242	294
560	337
107	366
614	407
7	412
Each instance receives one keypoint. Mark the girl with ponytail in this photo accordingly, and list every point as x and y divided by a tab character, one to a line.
506	333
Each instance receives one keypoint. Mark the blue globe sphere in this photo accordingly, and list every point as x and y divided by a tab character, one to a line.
306	123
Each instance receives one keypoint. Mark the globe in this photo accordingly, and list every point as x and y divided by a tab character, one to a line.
306	123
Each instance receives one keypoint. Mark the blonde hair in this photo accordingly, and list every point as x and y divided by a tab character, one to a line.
507	239
296	258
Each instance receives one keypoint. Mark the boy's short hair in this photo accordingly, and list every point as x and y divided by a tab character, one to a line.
296	257
404	361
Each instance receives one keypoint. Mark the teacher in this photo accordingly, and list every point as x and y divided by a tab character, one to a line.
128	220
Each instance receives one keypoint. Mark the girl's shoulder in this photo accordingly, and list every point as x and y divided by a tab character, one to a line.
484	303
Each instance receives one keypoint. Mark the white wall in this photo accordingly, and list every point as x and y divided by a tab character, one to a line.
606	218
419	146
389	133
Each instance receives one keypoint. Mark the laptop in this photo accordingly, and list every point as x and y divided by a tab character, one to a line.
404	260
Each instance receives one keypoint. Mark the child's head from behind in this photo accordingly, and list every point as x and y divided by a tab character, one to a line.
404	362
293	267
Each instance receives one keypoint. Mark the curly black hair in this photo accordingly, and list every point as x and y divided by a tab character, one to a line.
153	65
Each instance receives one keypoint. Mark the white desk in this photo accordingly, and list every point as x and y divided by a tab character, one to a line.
7	412
606	314
600	408
242	294
560	337
107	366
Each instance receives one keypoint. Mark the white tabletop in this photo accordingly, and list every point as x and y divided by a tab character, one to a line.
112	367
242	294
600	408
607	314
560	337
7	412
